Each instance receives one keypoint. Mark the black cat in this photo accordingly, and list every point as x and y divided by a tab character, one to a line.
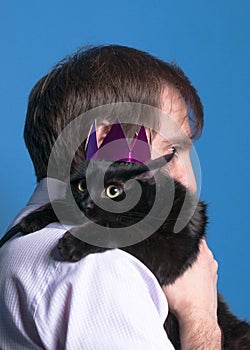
165	253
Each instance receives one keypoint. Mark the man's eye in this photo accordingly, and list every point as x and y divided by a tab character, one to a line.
170	154
173	149
81	186
113	191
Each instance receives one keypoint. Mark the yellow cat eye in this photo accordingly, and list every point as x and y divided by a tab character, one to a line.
113	191
81	186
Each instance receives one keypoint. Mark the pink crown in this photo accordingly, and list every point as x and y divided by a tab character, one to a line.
115	146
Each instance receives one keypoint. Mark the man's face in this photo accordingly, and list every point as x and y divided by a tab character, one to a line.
175	135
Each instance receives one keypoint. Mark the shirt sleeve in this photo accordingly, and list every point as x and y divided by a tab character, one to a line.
107	301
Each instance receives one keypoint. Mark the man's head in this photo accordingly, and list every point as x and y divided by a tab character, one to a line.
103	75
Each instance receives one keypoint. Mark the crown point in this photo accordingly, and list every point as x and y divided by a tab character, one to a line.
92	146
140	148
115	133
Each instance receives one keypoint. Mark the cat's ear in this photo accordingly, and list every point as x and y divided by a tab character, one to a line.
155	167
160	162
148	176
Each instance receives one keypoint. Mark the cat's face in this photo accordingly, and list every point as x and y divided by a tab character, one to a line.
99	196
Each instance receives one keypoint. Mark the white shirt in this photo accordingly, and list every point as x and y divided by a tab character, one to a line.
106	301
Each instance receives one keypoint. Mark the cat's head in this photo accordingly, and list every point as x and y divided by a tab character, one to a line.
117	194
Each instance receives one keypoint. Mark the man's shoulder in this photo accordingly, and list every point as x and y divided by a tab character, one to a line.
30	256
116	263
35	256
32	264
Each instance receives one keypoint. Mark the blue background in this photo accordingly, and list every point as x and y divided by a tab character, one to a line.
208	39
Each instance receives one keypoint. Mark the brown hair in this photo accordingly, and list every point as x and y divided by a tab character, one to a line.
96	76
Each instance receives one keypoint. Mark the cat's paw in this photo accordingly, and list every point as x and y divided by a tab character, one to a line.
38	219
31	223
73	249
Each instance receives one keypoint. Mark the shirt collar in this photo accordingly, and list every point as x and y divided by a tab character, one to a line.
47	190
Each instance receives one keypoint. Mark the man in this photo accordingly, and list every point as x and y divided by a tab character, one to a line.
107	300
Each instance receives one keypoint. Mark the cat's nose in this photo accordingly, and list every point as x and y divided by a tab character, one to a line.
89	208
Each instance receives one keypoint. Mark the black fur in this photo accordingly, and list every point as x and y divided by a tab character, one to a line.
165	253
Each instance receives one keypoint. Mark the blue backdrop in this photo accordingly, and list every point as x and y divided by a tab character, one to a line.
209	40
